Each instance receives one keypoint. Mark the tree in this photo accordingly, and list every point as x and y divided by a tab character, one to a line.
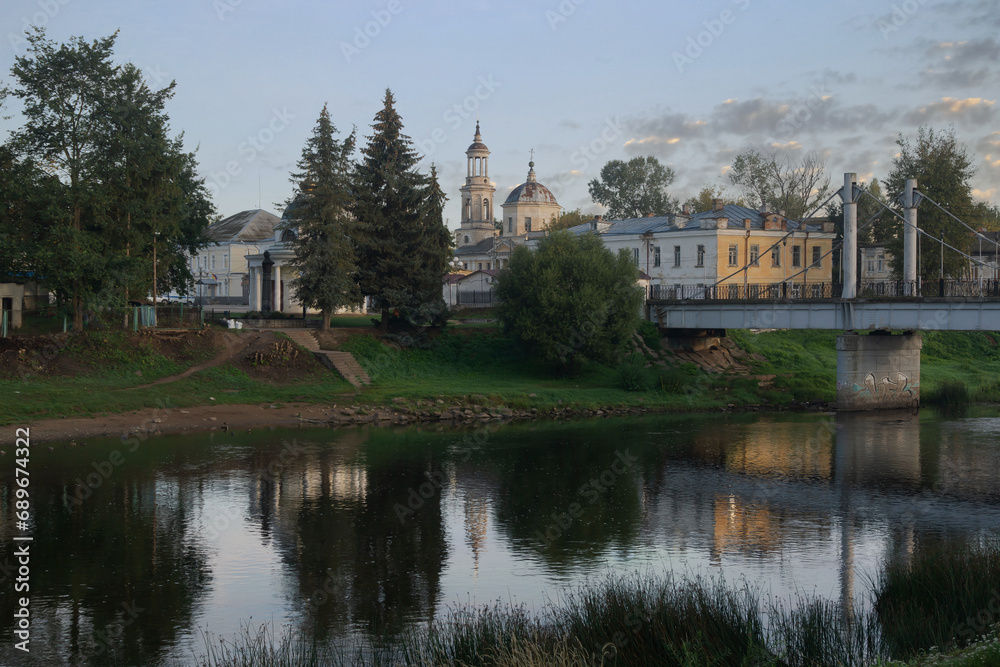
767	179
127	200
402	248
634	189
325	251
706	199
569	219
944	171
571	299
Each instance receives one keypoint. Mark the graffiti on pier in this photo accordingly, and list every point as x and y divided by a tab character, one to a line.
887	388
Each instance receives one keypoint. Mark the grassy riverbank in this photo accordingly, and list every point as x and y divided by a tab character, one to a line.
938	609
100	373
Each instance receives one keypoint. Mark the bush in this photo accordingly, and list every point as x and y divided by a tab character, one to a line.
948	394
634	376
650	334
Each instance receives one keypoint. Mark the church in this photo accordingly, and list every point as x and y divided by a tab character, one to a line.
484	242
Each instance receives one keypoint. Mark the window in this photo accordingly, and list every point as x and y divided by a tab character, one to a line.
527	224
510	225
776	256
468	209
733	254
797	256
701	256
871	264
677	256
225	261
817	252
656	255
881	263
466	239
486	209
213	262
465	265
635	255
480	266
754	255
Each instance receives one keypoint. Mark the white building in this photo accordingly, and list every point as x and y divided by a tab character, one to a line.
529	209
220	269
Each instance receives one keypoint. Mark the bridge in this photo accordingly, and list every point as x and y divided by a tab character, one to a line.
876	371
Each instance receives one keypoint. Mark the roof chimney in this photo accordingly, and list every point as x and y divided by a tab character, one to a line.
598	217
718	204
686	209
765	208
650	215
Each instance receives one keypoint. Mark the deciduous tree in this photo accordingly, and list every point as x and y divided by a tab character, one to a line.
767	178
571	299
634	189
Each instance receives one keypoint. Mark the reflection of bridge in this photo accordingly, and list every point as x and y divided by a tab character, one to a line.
863	362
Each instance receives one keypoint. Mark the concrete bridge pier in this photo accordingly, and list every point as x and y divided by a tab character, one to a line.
879	371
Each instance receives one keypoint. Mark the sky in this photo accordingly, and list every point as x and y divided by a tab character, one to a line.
580	82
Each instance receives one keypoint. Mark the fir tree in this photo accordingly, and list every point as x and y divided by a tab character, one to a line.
404	245
325	243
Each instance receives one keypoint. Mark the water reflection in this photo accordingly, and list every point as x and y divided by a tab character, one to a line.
373	530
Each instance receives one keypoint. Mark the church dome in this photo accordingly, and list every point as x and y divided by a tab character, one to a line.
531	191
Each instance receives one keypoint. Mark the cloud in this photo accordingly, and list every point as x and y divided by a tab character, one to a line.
960	64
971	110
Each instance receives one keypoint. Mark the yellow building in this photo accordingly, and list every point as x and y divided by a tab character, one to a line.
733	249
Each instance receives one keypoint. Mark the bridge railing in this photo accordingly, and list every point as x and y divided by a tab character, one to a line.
744	292
895	289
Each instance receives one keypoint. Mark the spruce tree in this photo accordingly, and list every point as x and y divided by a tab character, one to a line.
402	251
324	246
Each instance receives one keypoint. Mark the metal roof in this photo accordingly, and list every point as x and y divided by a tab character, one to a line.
481	248
656	223
531	192
252	225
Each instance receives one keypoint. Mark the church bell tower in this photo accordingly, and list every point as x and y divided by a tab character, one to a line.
477	195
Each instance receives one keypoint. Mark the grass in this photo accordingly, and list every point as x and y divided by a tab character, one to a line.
946	596
121	364
659	620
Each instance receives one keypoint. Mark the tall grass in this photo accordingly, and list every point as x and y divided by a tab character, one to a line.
947	595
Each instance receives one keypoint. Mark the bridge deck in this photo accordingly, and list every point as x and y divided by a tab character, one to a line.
911	314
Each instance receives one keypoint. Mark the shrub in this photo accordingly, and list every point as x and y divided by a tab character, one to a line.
650	334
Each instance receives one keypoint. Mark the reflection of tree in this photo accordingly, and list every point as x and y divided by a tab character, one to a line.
122	565
546	480
337	525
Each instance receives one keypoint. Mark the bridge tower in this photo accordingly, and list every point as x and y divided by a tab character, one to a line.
879	371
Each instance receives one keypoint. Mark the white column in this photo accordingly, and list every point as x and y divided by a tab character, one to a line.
276	270
257	294
850	254
910	239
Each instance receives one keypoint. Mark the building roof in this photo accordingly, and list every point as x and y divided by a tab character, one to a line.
481	248
531	191
659	223
252	225
592	227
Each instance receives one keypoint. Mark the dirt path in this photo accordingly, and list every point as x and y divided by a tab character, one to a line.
233	346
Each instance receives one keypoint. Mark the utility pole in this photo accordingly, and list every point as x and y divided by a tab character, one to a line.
850	261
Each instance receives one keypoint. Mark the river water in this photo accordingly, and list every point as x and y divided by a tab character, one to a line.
141	547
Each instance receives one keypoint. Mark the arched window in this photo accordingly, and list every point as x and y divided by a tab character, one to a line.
466	239
486	209
287	236
468	209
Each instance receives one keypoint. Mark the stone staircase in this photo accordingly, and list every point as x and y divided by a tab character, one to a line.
342	362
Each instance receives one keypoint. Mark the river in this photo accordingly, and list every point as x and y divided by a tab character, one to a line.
141	547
